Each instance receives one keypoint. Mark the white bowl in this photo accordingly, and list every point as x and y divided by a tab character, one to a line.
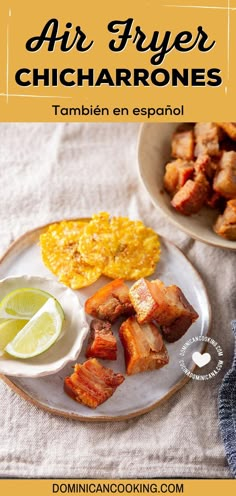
153	153
69	344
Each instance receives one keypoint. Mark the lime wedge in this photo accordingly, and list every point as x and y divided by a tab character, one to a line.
23	303
39	333
8	330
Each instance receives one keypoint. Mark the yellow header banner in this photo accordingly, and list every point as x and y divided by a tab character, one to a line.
166	60
89	487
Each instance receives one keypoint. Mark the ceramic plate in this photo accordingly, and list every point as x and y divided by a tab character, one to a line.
139	393
153	153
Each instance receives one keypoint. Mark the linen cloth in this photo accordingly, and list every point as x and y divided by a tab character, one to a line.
227	411
55	171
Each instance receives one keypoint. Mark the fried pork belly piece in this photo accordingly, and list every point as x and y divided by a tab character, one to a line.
182	145
207	136
152	300
225	180
176	175
143	346
192	196
109	302
102	342
229	128
204	164
91	383
226	224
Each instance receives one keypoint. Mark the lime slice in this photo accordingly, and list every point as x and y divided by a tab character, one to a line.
8	330
23	303
39	333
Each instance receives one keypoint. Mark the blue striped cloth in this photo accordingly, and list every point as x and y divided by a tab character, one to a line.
227	412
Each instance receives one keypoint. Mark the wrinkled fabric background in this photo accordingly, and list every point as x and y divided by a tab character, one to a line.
227	411
54	171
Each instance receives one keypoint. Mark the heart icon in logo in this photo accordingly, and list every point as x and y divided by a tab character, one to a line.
201	359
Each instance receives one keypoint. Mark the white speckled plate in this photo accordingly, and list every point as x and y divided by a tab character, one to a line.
139	393
153	153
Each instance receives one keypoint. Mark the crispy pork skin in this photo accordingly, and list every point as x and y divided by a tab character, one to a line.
91	383
143	346
144	303
102	342
225	180
192	196
182	145
176	175
207	135
152	300
226	224
109	302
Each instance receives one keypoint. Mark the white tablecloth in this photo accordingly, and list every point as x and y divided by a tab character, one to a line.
54	171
